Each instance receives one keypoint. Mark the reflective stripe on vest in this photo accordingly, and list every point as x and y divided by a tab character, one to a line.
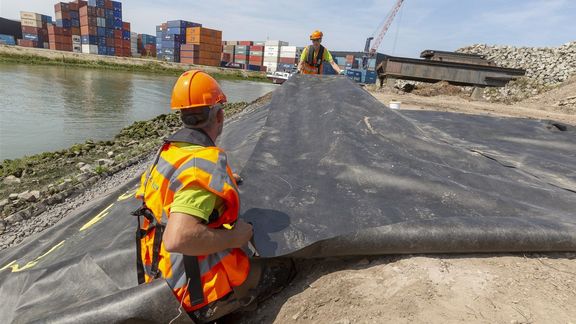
313	65
178	168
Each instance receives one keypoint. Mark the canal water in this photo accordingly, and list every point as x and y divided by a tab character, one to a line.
44	108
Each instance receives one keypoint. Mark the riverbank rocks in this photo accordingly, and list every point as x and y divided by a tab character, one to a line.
13	196
11	180
29	196
545	67
105	162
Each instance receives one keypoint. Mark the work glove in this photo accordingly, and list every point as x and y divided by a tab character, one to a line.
342	72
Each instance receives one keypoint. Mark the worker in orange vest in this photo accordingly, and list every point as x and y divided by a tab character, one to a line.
314	55
189	232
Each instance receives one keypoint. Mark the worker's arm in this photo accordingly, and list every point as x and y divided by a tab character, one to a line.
302	58
187	234
336	67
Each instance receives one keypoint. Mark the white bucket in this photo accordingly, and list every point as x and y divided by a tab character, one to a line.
394	104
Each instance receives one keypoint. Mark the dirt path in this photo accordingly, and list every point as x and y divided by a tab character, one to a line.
428	289
535	110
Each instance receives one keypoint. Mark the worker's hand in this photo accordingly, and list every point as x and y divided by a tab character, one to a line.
238	178
241	234
342	72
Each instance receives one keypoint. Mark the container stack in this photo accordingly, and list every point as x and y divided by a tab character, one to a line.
68	18
89	22
351	62
289	57
272	54
228	51
7	40
256	58
135	44
34	30
242	52
147	45
169	38
202	47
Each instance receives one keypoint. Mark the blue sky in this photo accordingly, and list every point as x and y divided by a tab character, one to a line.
421	24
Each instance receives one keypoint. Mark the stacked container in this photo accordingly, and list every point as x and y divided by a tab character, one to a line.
34	30
272	54
134	45
147	45
68	17
169	37
228	51
256	58
242	52
203	46
289	57
7	40
89	22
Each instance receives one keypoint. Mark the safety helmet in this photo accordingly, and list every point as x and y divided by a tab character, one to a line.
195	89
316	35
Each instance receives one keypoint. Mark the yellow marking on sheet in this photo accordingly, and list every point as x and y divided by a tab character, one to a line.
96	218
128	194
16	267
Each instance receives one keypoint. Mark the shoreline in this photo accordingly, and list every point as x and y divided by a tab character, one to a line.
31	185
33	56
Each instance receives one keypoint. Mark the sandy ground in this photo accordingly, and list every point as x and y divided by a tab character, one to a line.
481	288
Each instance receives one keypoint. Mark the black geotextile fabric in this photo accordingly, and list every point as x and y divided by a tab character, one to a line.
328	171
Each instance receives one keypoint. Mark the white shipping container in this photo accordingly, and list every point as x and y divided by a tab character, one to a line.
31	23
271	48
271	67
288	48
268	59
101	22
275	43
46	45
90	49
77	48
76	39
30	15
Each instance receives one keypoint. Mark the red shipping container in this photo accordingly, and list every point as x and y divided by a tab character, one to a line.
61	6
241	57
126	25
287	60
31	30
100	12
73	6
246	43
118	34
75	30
110	42
108	4
257	48
27	43
89	30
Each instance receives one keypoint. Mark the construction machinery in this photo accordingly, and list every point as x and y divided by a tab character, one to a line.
370	51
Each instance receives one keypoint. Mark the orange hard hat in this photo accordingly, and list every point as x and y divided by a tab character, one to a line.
195	89
316	35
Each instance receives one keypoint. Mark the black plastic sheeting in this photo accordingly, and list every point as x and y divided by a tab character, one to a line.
328	171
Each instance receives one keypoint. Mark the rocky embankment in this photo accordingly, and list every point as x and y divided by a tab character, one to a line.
33	185
546	68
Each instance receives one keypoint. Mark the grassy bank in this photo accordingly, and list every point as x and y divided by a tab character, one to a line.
53	58
47	171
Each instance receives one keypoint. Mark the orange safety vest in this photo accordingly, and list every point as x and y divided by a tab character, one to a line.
211	276
313	65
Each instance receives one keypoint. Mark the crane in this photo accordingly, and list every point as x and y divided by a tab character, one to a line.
370	52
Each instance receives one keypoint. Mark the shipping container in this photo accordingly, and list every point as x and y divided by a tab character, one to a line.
7	39
275	43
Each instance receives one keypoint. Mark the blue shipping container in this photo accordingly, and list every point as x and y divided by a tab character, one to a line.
177	23
89	40
126	34
7	39
101	41
254	67
118	24
46	19
117	5
101	50
371	77
100	3
109	33
111	51
32	37
92	3
101	32
74	15
75	23
110	22
148	39
176	31
64	23
118	15
174	38
109	13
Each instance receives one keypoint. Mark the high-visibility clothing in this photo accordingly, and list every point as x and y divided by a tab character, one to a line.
312	60
214	275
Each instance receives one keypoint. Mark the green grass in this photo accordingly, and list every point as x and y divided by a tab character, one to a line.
151	67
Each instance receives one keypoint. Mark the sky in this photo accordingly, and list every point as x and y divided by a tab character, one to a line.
420	24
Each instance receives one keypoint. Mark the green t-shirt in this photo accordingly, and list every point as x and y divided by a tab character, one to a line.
327	57
194	200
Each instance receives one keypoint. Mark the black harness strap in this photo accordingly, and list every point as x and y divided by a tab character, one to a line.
195	290
310	57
